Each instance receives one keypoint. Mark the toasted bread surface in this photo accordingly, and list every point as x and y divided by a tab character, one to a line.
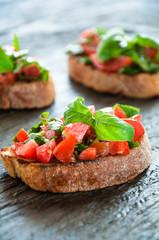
143	85
79	176
21	95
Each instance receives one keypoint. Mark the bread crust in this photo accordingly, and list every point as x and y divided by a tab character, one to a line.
82	176
21	95
142	85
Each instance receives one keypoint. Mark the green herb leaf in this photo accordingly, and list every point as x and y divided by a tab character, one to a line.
77	112
143	42
56	126
85	60
36	128
80	147
6	64
111	44
44	115
14	139
133	144
74	48
100	31
129	110
111	128
16	42
38	137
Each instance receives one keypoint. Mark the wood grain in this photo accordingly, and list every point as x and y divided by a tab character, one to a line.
129	211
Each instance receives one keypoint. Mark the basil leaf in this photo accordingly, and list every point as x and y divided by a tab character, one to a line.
100	31
16	42
85	60
80	147
111	44
111	128
35	129
128	110
77	112
44	115
38	137
131	70
74	48
56	126
143	42
133	144
6	64
14	139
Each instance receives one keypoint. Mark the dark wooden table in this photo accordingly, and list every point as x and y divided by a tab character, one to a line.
129	211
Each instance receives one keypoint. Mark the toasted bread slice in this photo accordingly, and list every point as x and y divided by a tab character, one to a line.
20	95
79	176
143	85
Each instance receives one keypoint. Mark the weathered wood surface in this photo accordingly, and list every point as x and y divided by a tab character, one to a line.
129	211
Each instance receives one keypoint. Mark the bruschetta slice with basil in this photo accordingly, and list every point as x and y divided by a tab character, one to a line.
24	82
109	61
84	150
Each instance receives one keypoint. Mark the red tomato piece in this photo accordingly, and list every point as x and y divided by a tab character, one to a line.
138	128
28	150
150	52
44	153
22	135
48	132
102	148
119	112
92	109
112	65
137	117
60	139
9	77
88	154
64	150
89	41
62	119
118	148
32	71
16	146
76	129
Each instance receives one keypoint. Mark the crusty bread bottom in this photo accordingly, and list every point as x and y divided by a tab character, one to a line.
21	95
143	85
81	176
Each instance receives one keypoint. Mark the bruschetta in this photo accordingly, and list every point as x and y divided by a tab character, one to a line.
82	151
24	82
109	61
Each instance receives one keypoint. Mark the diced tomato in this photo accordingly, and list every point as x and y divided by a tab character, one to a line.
137	117
28	150
22	135
89	41
90	133
108	110
102	148
64	150
76	129
112	65
60	139
73	159
88	154
45	152
9	77
138	128
150	52
119	112
48	132
32	71
92	109
118	148
16	146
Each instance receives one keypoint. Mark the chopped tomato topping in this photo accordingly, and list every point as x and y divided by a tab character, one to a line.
76	129
22	135
64	150
138	128
60	139
45	152
88	154
119	112
102	148
150	52
137	117
48	132
28	150
32	71
9	77
112	65
16	146
62	119
119	148
89	41
92	109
